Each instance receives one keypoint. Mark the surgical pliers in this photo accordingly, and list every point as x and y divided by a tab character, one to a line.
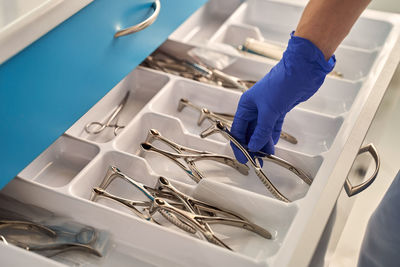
55	248
204	213
225	118
216	215
96	127
27	226
111	175
51	250
189	156
219	127
196	70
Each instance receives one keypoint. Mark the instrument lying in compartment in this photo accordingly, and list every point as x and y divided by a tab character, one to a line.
189	156
38	230
188	214
225	118
219	127
269	50
96	127
195	69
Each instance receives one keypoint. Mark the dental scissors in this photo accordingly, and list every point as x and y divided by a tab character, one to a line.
225	118
219	127
96	127
189	156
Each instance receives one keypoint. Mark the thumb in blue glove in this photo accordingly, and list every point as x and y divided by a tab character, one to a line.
261	110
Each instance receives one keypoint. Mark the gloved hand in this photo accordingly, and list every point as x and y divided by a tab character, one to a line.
262	109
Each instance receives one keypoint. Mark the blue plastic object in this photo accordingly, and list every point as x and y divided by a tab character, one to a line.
52	83
262	109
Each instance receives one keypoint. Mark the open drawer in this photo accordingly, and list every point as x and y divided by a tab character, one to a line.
50	84
329	136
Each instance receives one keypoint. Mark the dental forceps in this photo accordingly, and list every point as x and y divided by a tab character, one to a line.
219	127
196	70
111	175
189	156
225	118
57	248
216	215
168	193
160	204
199	222
27	226
199	207
96	127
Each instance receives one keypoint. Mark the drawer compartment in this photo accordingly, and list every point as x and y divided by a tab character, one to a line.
60	163
329	129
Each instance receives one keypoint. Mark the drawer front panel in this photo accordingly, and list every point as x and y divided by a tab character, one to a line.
49	85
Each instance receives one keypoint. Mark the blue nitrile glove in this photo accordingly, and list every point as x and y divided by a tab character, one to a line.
262	109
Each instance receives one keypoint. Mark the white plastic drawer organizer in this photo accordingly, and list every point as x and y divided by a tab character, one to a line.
61	179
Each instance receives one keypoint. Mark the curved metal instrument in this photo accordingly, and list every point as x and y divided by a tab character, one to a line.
219	127
225	118
96	127
189	156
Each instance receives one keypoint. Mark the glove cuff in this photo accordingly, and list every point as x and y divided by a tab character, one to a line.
301	46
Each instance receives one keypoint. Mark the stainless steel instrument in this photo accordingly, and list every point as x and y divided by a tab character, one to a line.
96	127
225	118
189	156
219	127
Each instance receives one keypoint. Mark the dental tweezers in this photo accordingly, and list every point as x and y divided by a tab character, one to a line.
189	156
219	127
225	118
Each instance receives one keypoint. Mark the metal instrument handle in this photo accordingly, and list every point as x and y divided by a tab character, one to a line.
354	190
142	25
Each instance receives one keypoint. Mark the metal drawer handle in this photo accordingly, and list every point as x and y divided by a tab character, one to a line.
142	25
354	190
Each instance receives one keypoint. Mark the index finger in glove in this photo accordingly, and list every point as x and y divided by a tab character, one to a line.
239	131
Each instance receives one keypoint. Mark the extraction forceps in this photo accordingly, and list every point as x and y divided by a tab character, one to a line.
189	156
167	192
219	127
199	222
27	226
215	215
196	70
55	248
225	118
96	127
111	175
